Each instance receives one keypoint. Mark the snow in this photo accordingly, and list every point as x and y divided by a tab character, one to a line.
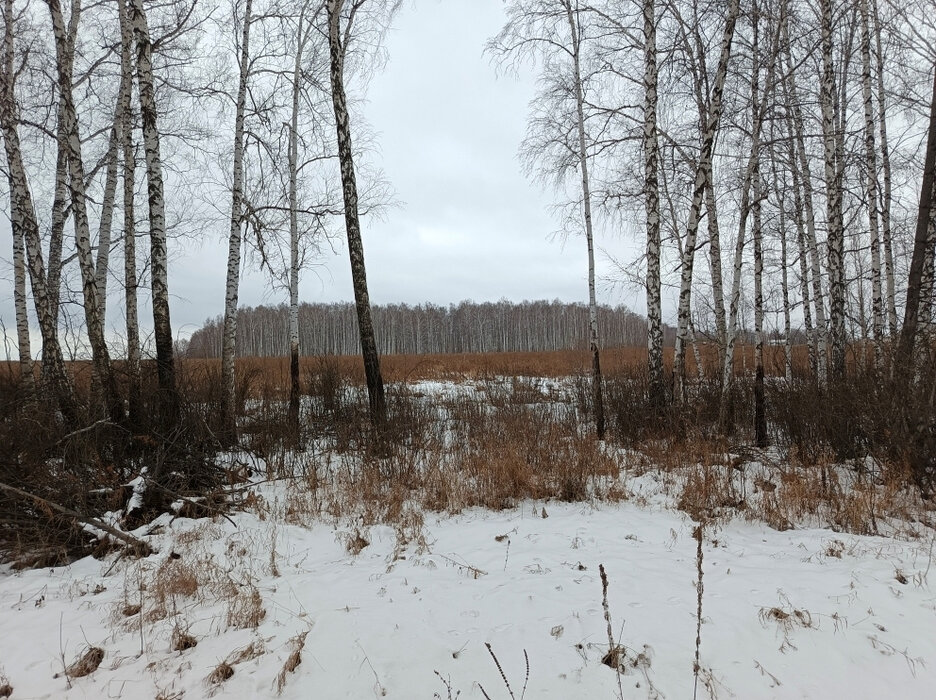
798	614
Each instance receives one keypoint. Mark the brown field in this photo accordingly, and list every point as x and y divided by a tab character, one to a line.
273	372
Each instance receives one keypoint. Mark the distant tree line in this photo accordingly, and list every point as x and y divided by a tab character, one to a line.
332	329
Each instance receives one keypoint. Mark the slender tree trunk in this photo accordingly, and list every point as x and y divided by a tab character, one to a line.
229	332
785	291
162	326
877	300
835	242
715	265
24	224
652	204
799	221
797	128
92	304
886	237
294	388
757	234
19	303
375	388
575	33
702	177
129	214
924	239
108	200
60	214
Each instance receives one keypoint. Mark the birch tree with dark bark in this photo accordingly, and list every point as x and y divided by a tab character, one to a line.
341	19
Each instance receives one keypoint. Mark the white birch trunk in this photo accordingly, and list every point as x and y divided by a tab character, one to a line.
108	200
129	212
702	178
819	340
799	218
92	306
877	300
575	34
835	242
369	352
25	225
229	333
785	292
652	204
23	343
162	326
886	236
294	388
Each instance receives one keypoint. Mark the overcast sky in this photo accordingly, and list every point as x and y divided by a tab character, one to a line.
470	224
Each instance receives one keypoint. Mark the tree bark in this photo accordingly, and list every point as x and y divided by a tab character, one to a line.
375	388
24	224
797	129
229	333
129	214
702	176
871	193
652	205
923	242
162	326
835	242
575	34
886	235
94	322
294	388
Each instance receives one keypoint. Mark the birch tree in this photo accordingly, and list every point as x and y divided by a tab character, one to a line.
162	326
235	234
128	157
76	182
832	159
24	224
703	173
554	33
652	204
804	175
340	17
871	180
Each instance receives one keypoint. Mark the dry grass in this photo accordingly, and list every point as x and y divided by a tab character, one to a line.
292	661
222	672
86	663
245	608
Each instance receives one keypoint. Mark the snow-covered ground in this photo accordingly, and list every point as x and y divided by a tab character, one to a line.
795	614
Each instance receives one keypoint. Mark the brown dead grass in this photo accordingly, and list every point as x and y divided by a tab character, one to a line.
86	663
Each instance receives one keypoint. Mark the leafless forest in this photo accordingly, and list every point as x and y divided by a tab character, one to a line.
776	158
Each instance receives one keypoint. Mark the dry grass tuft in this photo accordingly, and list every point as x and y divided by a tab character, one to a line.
222	672
86	664
292	661
245	609
181	640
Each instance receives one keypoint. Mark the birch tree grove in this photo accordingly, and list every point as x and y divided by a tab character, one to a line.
25	225
710	118
797	130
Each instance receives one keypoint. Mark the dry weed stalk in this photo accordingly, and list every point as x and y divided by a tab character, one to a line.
697	534
500	669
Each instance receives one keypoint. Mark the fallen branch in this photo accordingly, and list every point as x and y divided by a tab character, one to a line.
139	545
